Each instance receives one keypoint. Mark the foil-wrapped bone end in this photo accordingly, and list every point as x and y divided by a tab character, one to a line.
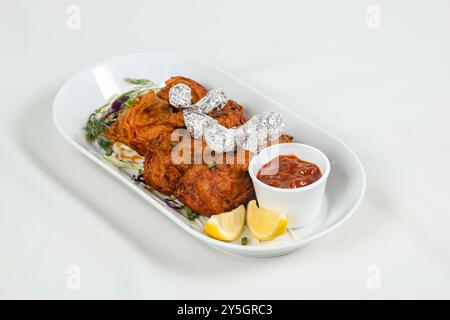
214	100
219	138
272	122
180	96
197	122
261	129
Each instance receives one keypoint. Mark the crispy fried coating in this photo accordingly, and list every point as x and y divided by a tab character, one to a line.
284	138
167	160
214	190
231	115
159	171
198	91
149	117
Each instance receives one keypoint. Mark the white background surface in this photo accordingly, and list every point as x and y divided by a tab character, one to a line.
384	92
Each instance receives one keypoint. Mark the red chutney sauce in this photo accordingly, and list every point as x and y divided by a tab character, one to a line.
288	172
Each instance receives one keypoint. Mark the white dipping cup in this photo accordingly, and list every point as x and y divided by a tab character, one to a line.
301	205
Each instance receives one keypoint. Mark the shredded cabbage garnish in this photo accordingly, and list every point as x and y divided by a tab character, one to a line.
123	156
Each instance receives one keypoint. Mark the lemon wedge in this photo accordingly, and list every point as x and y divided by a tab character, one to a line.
265	224
226	226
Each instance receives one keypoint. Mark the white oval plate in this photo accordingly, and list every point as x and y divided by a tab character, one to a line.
89	88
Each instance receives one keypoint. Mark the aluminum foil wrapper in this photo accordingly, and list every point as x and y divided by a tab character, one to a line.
180	96
259	131
197	122
219	138
272	122
214	100
246	136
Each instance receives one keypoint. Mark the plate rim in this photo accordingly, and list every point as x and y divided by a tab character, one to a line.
211	241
